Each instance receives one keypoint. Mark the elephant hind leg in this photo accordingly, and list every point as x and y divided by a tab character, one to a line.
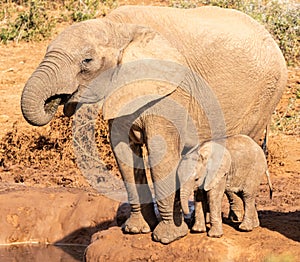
236	212
250	220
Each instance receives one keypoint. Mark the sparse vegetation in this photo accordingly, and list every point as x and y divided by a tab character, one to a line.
88	9
286	119
287	122
31	23
34	20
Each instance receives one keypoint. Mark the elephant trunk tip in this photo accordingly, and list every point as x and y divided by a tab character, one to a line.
38	112
186	211
185	206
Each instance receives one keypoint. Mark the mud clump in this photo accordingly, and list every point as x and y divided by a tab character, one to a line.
48	155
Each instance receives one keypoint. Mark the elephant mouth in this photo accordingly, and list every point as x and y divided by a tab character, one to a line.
71	107
82	95
52	103
72	104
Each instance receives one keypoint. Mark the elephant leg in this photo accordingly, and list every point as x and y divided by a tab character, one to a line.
250	220
172	227
163	149
200	211
131	164
215	196
236	212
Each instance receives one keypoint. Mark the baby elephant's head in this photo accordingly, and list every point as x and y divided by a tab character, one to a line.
202	167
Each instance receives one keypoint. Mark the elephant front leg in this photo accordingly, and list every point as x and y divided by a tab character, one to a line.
142	217
215	196
172	227
200	211
163	148
130	161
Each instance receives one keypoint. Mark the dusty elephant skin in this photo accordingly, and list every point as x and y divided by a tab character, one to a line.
241	170
212	42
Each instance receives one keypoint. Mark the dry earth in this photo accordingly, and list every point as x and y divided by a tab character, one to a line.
45	199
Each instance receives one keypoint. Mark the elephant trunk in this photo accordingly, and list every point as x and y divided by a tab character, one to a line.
184	199
38	102
186	188
50	85
187	177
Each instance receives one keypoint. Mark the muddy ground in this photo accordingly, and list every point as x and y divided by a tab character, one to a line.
45	198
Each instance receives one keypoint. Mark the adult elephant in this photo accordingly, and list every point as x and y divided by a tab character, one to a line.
215	70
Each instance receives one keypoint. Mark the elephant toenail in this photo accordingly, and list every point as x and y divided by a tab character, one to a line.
155	237
145	230
165	240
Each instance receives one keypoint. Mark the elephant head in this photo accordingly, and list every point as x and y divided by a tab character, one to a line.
91	54
202	167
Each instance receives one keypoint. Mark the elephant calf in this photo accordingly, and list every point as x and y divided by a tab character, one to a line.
232	165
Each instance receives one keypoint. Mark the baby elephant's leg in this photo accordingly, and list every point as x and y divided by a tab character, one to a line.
250	220
200	211
236	212
215	206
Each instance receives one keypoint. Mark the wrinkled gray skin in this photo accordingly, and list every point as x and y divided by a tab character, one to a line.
241	170
237	58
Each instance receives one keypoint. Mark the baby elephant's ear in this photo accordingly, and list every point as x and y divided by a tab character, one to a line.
218	164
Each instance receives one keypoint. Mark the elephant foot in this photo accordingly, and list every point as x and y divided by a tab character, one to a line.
248	225
199	227
215	231
136	224
167	232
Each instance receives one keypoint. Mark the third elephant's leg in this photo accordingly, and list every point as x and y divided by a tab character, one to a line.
236	212
130	161
164	155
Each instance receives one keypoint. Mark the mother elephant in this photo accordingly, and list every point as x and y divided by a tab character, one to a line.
216	71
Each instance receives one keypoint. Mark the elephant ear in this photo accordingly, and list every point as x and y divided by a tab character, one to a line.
149	68
218	163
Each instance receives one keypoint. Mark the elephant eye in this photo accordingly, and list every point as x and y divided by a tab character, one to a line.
87	60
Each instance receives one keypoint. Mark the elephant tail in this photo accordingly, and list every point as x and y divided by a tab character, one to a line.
269	183
265	142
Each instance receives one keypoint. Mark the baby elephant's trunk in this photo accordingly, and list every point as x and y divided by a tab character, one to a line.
184	199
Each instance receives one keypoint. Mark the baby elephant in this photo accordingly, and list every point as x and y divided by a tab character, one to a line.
232	165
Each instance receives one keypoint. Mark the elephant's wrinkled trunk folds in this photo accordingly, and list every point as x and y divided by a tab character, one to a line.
38	102
184	199
46	89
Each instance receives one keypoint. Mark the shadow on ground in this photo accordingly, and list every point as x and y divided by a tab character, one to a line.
287	224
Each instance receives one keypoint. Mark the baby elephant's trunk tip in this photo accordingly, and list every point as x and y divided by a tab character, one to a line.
185	205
